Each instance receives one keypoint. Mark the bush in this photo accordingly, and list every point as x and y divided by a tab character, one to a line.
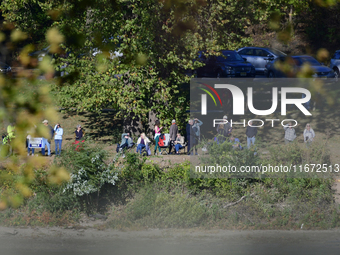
50	197
89	170
296	154
224	154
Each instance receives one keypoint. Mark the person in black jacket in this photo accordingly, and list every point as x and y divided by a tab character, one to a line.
191	136
251	133
47	138
224	130
173	133
78	133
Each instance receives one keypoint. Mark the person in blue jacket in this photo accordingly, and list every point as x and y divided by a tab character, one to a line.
236	143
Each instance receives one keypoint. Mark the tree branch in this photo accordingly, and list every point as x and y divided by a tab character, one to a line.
238	201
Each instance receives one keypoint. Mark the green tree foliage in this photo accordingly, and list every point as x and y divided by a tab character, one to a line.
23	105
30	16
159	40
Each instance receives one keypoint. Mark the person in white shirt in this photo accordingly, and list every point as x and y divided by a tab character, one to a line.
58	138
179	143
142	142
308	135
28	138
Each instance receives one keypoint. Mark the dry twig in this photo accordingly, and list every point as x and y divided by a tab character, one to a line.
238	201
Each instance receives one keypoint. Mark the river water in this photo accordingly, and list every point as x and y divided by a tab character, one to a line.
29	241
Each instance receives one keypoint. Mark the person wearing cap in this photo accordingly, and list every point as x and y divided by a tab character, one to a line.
173	133
47	138
79	133
58	138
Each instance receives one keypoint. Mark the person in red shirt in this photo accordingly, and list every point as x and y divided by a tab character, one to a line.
157	134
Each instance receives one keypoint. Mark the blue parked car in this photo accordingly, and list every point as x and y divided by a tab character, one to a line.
335	63
5	69
296	62
228	64
259	57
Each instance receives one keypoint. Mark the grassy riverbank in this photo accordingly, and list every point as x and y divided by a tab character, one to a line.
145	195
159	191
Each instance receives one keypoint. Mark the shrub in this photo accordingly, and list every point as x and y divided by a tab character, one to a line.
296	154
89	170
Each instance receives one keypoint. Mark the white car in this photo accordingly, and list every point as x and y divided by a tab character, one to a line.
113	54
108	42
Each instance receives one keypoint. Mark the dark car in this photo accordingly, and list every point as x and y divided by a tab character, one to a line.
228	64
293	64
4	68
335	63
259	57
40	54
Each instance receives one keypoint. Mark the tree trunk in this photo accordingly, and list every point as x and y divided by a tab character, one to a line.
151	124
132	125
89	19
291	20
98	199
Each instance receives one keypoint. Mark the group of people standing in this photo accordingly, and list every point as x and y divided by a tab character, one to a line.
193	132
290	134
177	141
224	132
48	134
